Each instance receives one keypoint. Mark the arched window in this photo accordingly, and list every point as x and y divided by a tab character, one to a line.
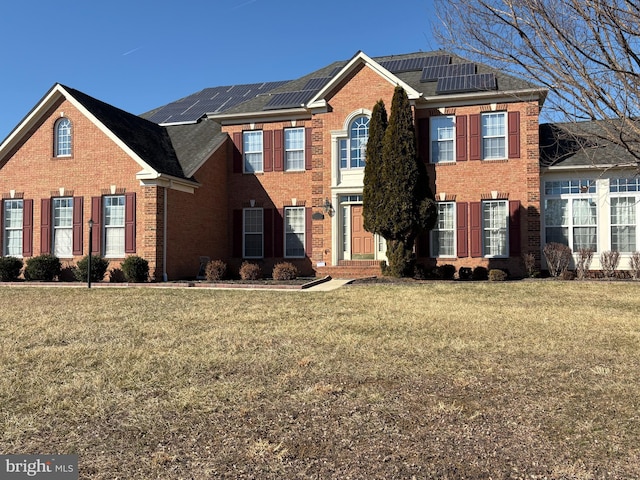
62	142
354	156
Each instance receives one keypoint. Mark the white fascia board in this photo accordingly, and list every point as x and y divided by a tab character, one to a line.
593	166
361	58
478	98
259	117
161	180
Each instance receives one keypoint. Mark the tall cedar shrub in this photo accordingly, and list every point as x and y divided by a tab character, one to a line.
405	206
372	192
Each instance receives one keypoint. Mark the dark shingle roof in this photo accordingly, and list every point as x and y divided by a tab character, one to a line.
193	143
579	144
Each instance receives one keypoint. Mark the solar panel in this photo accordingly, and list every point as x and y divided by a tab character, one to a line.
415	63
316	83
289	99
210	100
467	83
433	73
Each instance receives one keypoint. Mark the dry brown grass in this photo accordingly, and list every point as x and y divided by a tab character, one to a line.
438	380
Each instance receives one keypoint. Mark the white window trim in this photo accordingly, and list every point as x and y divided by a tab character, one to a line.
506	227
245	233
55	229
245	152
57	143
434	138
636	202
505	135
286	232
6	229
435	229
105	227
286	151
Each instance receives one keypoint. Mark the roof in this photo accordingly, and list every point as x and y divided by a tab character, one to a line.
582	144
437	74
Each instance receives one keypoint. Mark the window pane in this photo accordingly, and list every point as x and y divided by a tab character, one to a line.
443	234
359	134
62	223
114	226
252	147
13	227
63	137
494	135
62	243
494	220
623	224
294	148
442	139
294	232
253	233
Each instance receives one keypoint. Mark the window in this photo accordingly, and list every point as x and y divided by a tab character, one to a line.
443	234
13	227
294	220
570	213
623	224
494	135
294	148
352	152
442	139
252	148
63	138
114	226
494	228
252	234
62	227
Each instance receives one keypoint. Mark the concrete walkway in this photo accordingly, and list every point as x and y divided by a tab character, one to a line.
329	285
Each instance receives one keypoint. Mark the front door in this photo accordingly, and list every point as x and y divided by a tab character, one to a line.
361	240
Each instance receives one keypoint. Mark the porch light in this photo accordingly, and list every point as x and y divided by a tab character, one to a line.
327	207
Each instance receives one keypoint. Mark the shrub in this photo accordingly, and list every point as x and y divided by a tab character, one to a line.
585	255
10	268
609	263
135	269
480	273
558	257
215	270
634	264
445	272
250	271
465	273
567	275
529	260
116	276
497	275
43	268
285	271
99	267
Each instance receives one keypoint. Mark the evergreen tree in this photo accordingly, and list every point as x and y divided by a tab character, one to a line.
406	205
373	194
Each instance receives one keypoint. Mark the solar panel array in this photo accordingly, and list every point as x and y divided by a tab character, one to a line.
316	83
210	100
416	63
289	99
431	74
467	83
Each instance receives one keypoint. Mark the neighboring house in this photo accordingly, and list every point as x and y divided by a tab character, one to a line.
590	191
268	172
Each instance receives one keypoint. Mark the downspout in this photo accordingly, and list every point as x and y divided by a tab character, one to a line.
164	237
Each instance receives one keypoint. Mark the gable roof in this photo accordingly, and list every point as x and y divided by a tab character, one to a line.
582	144
459	78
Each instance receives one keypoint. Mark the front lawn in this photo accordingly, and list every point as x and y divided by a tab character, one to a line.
431	380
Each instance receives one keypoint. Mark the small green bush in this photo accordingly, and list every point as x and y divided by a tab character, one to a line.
216	270
42	268
10	268
480	273
497	275
99	267
445	272
135	269
285	271
250	271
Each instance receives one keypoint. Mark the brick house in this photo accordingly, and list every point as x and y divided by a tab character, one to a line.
273	171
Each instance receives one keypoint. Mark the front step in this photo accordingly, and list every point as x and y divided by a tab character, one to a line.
352	269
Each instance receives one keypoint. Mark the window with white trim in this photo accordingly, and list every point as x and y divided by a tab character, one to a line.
253	153
624	200
294	232
494	135
294	149
571	214
13	228
442	139
63	227
114	226
352	151
253	233
62	142
443	233
495	218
